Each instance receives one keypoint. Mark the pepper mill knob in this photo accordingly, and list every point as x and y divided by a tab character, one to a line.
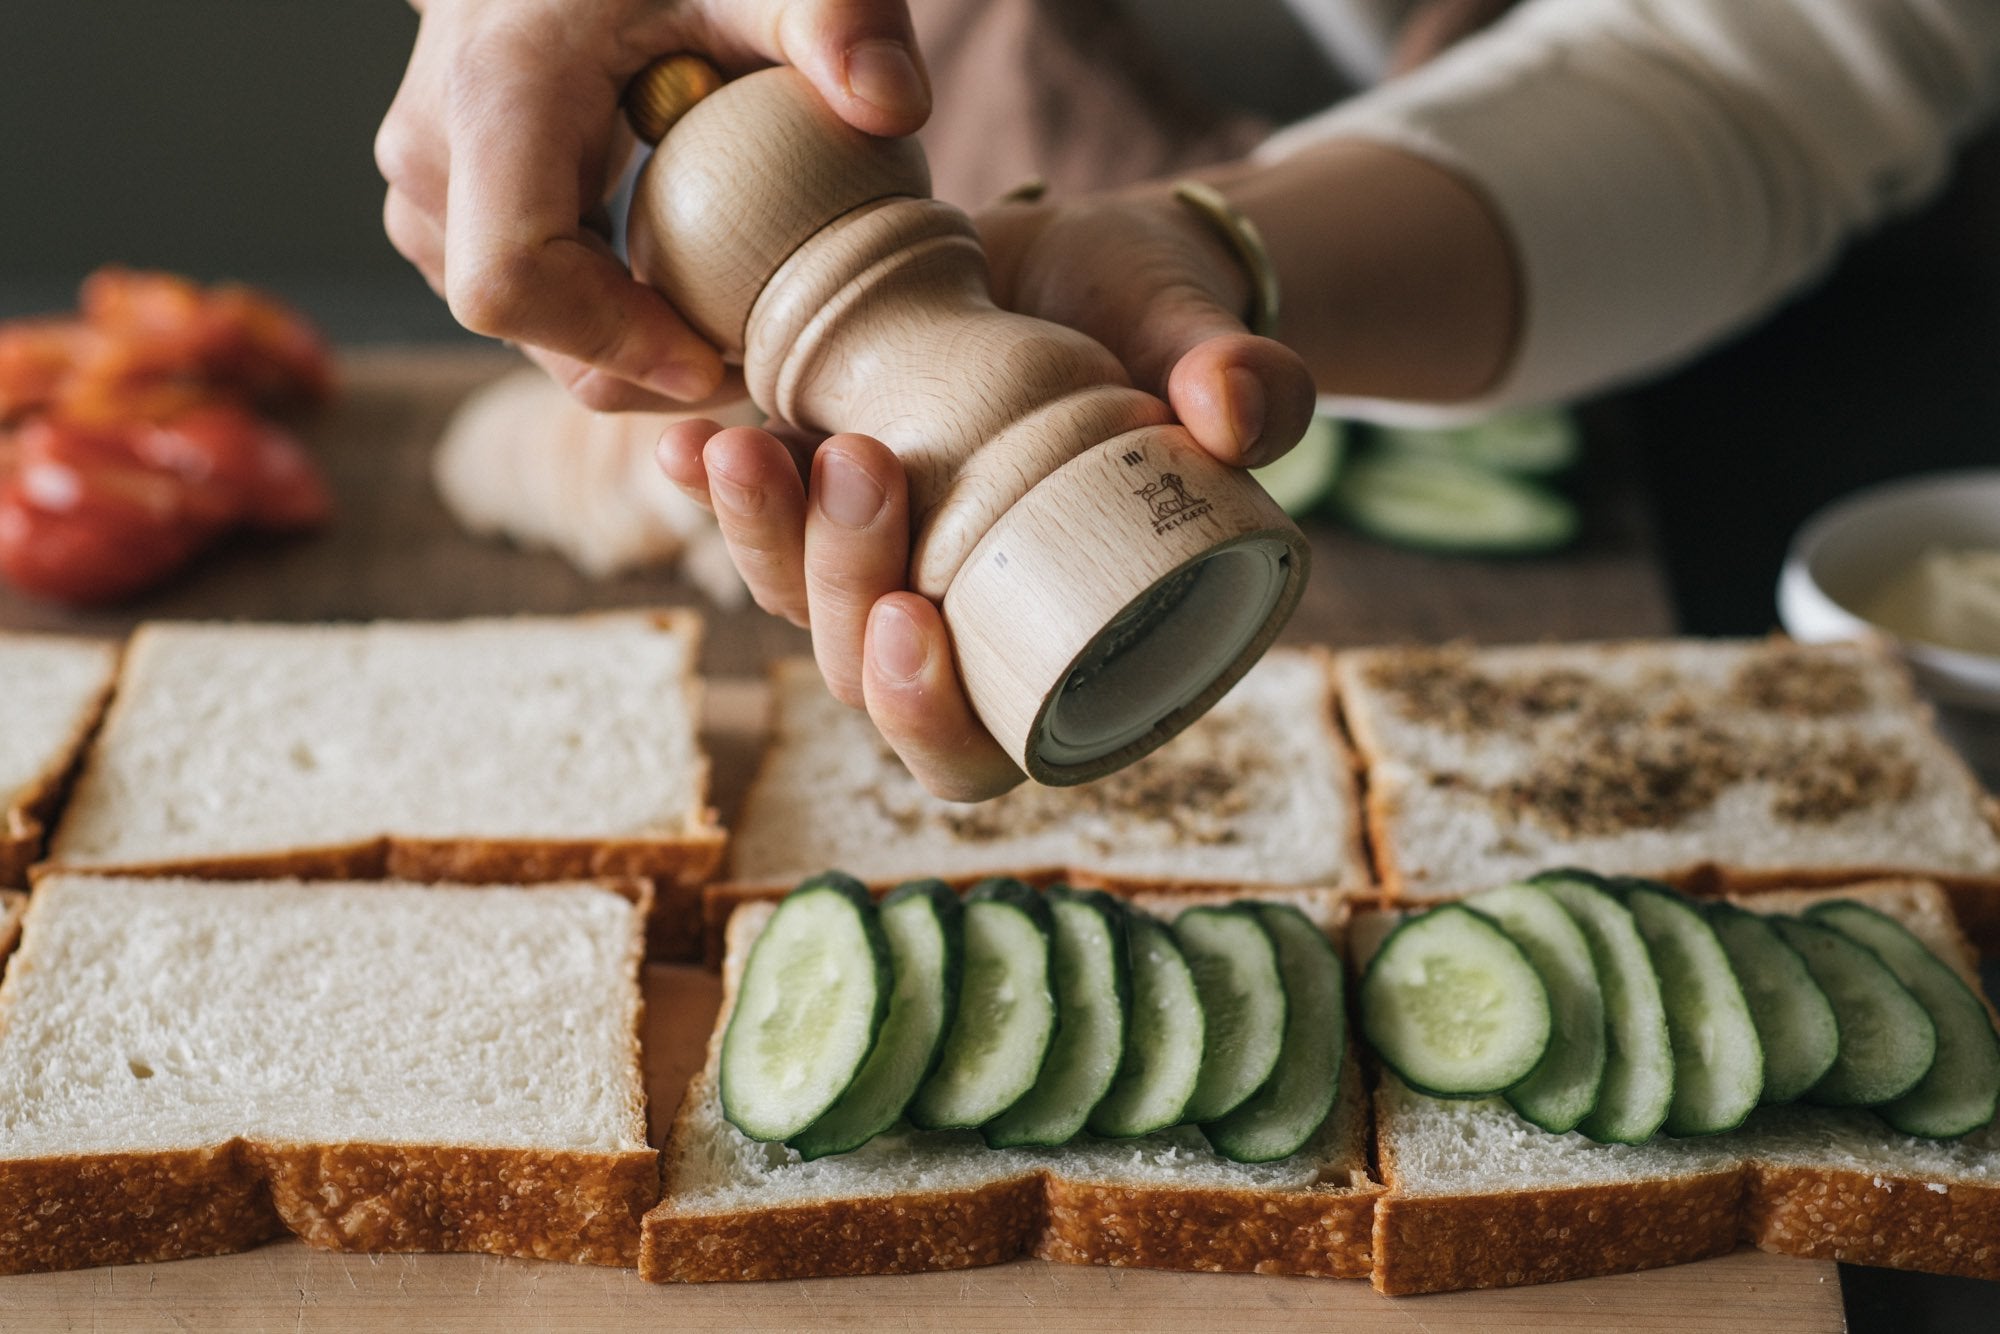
1104	579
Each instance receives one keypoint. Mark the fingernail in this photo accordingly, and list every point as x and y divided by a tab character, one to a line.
847	494
882	74
679	380
896	644
1246	405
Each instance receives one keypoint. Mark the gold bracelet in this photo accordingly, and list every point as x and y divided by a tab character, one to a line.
1245	242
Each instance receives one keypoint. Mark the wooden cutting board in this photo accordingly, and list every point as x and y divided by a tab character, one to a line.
289	1286
395	552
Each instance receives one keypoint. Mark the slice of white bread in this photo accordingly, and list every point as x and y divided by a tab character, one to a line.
190	1068
1479	1198
1259	791
52	690
503	751
911	1201
1721	764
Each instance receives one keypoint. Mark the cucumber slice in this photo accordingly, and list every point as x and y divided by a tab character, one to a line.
1235	965
1887	1041
1278	1119
1638	1085
811	999
1962	1089
1718	1061
1442	505
1093	983
1562	1090
1164	1044
1533	442
1453	1006
1794	1019
1006	1015
922	923
1301	477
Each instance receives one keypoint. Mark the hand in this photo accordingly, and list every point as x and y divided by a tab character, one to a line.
828	548
506	134
1144	275
821	531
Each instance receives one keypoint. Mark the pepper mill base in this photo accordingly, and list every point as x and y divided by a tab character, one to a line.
1115	602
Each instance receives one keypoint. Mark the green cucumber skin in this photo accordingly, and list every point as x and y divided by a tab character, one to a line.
876	1099
1056	1108
1118	1115
1374	1015
1288	1110
1835	961
1708	1018
846	887
926	1110
1962	1090
1363	496
1794	1018
1638	1050
1562	1090
1211	1101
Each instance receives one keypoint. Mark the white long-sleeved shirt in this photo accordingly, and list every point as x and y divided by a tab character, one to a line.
1668	170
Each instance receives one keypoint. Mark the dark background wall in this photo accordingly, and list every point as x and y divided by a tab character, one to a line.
216	137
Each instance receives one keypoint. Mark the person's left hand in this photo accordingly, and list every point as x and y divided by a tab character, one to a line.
821	529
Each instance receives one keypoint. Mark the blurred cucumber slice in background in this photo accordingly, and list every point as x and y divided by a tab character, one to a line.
1533	442
1438	504
1304	477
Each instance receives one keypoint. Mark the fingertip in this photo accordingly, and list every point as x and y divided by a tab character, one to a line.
913	694
884	76
679	455
1246	400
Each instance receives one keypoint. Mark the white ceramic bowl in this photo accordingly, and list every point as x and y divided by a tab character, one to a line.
1845	553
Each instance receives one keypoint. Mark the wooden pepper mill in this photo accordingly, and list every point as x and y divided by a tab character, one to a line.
1103	578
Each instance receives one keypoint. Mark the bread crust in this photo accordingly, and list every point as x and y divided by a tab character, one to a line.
24	823
13	907
1449	1242
904	1234
1868	1219
76	1211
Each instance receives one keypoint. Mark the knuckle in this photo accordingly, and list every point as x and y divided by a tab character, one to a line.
601	393
490	291
399	155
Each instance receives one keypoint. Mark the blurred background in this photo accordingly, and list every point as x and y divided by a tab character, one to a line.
232	139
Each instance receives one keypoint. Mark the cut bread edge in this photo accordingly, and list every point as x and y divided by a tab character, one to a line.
1078	1218
30	811
1447	1242
71	1211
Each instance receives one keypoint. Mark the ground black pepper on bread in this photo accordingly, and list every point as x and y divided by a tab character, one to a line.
1607	760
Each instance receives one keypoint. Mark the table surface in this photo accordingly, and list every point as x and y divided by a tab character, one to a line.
393	552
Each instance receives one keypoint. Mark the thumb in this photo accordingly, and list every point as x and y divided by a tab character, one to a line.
862	57
1245	399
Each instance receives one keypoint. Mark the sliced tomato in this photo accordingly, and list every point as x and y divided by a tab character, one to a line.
82	557
35	357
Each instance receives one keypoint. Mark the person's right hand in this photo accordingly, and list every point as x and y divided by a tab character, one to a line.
506	134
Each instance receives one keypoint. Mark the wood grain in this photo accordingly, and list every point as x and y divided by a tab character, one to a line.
394	552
